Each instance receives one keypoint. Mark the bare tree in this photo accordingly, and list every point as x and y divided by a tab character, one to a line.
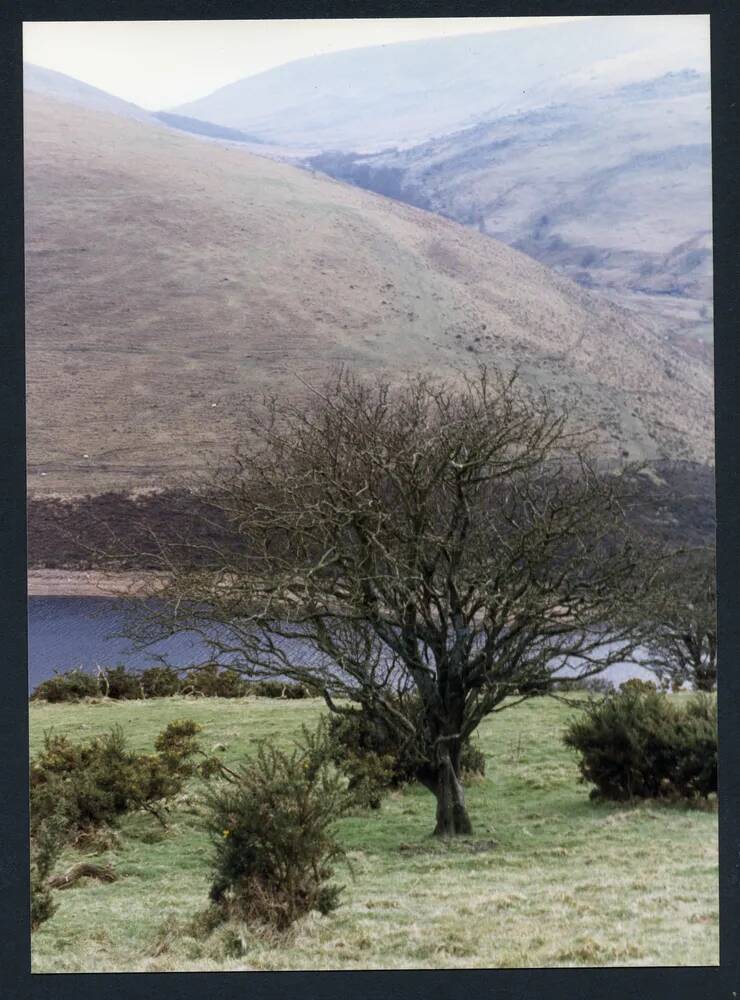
681	621
446	544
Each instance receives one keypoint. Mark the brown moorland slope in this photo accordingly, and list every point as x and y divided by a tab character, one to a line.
168	278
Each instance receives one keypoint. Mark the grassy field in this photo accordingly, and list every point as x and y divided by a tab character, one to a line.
548	879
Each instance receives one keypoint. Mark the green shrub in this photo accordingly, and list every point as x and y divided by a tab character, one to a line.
72	685
212	681
46	846
370	776
637	744
92	784
638	685
594	685
472	761
366	752
120	684
160	682
272	826
278	689
696	747
375	759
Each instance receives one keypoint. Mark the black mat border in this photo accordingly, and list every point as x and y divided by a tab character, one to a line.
16	980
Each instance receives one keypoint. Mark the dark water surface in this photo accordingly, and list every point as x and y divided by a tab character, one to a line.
67	632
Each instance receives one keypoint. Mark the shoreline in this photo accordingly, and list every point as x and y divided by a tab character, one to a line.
84	583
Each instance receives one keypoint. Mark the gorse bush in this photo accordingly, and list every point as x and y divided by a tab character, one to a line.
472	761
637	743
639	685
118	683
46	846
364	751
92	784
211	681
160	682
278	689
272	826
72	685
696	747
375	759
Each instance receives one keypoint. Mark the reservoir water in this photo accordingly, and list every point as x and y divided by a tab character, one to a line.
67	632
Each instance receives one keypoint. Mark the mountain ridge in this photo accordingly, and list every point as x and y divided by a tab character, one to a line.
51	83
367	99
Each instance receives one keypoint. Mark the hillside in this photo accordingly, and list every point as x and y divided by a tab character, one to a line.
614	191
585	144
168	278
370	98
59	86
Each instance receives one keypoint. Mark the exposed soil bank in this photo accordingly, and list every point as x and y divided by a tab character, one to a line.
84	583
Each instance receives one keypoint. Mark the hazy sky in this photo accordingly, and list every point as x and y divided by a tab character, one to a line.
160	64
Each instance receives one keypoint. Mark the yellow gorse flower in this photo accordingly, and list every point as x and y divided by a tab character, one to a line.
226	833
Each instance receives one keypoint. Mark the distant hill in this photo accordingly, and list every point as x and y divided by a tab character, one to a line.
614	191
585	144
49	83
169	278
368	99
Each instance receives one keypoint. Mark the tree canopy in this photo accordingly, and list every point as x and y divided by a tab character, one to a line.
433	551
681	619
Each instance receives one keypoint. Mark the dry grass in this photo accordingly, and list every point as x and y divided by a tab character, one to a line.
548	878
169	278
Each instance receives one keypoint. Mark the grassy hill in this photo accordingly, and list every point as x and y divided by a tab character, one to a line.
169	278
548	878
614	191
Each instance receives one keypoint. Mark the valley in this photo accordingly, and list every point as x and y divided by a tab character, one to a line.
601	205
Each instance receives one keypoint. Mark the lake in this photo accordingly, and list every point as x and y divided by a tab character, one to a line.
67	632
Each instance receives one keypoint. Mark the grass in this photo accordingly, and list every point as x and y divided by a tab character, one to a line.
549	878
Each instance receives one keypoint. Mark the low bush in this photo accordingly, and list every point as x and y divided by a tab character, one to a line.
370	776
637	743
472	761
375	759
278	689
638	685
72	685
160	682
594	685
211	681
368	754
91	784
695	771
46	846
272	826
119	683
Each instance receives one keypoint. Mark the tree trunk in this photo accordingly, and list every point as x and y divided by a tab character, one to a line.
452	816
